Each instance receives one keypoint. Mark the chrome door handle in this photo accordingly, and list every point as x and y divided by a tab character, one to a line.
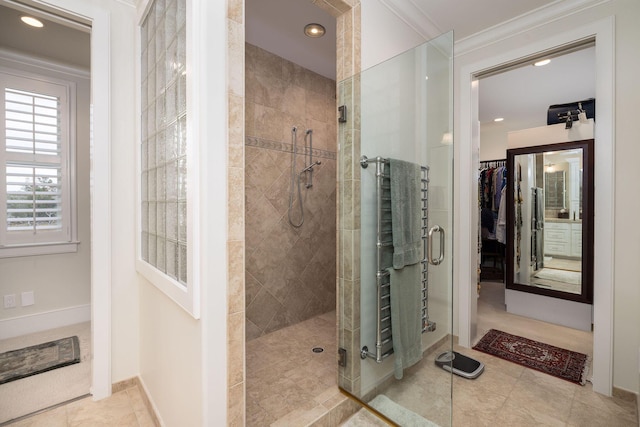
431	259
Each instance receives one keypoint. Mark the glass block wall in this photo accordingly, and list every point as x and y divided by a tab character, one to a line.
163	150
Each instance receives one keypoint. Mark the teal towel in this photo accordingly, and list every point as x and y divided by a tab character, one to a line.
406	212
406	317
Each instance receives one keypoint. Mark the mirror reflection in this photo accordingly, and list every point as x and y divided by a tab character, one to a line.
548	225
549	220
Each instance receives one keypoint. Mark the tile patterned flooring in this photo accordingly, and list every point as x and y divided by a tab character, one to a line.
125	408
506	394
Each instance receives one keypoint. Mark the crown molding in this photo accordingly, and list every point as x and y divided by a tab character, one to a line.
44	63
414	17
526	22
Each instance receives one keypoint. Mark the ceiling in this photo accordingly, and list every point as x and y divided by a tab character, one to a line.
521	95
53	41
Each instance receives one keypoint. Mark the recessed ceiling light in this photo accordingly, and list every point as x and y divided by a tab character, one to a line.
542	62
314	30
30	20
498	119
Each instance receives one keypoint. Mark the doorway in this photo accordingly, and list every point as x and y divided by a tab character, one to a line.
52	283
602	31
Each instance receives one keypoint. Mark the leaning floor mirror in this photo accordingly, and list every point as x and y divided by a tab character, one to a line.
549	220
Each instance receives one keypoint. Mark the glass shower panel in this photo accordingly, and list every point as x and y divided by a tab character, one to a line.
402	110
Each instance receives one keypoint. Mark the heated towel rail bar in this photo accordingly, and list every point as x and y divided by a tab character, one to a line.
384	249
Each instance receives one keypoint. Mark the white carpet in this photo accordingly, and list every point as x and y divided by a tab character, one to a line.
27	395
573	277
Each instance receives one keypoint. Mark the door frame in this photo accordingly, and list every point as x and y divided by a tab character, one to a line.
467	156
100	189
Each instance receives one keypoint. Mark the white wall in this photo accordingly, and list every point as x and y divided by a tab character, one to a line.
69	285
626	237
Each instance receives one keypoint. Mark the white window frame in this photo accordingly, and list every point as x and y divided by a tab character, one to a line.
187	296
45	243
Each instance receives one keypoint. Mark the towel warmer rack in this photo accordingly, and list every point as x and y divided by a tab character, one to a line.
384	253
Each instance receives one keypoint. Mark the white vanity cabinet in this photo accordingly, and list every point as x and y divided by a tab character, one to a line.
563	239
576	239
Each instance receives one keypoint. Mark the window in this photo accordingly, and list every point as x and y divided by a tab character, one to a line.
37	214
165	249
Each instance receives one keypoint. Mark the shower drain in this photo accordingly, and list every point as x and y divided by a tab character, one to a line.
317	349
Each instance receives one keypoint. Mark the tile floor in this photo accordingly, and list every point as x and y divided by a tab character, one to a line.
290	385
506	394
123	409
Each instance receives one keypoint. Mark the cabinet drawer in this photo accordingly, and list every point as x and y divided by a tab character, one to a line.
556	226
556	235
556	248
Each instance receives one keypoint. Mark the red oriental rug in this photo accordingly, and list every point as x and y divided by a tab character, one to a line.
566	364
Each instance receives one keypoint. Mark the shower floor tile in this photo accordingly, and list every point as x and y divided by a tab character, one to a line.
287	382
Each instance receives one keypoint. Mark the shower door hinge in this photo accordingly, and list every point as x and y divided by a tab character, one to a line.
342	357
342	118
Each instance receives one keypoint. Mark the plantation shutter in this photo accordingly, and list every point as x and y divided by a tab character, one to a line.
34	160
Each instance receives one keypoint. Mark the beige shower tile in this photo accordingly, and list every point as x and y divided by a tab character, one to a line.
235	52
235	10
236	276
583	414
262	309
235	204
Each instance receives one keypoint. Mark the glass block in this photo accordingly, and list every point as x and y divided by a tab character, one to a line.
161	184
170	21
144	156
144	131
159	37
172	181
151	56
151	119
151	87
161	151
171	140
181	101
160	254
181	48
143	39
152	217
152	249
182	222
161	117
160	219
160	76
144	69
182	263
151	153
144	187
182	135
144	214
170	102
171	264
171	220
181	13
171	62
144	246
150	23
182	178
158	8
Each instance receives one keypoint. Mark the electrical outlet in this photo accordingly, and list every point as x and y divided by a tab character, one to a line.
28	298
9	301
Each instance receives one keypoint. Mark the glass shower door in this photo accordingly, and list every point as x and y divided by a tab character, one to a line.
401	116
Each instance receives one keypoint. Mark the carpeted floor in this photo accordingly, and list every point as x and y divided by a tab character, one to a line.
31	394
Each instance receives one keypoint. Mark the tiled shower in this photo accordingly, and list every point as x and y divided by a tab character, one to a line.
290	272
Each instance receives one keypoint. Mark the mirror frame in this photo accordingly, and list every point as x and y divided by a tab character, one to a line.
586	296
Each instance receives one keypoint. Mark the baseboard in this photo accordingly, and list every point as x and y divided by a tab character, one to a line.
37	322
137	382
